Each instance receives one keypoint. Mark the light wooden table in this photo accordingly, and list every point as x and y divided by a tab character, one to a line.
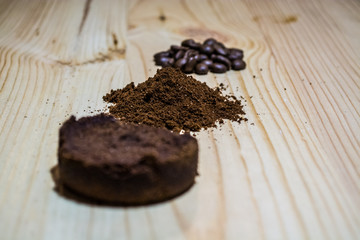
293	174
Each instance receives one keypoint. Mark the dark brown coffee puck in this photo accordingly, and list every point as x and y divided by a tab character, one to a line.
128	164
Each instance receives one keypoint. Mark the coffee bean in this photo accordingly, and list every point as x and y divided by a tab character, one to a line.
238	64
168	63
179	54
190	43
180	63
187	53
210	41
162	60
189	66
178	48
171	62
235	54
218	68
220	50
162	54
207	62
197	57
186	42
201	69
172	53
202	57
195	45
192	56
223	60
221	45
190	53
207	49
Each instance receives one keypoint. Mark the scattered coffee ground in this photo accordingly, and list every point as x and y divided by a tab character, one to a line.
173	100
195	57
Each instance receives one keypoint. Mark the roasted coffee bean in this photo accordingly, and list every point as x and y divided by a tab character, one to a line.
169	62
202	57
195	53
197	57
207	62
218	68
189	66
187	53
179	54
171	53
178	48
221	45
192	56
190	53
235	53
180	62
223	60
188	43
238	64
210	41
162	60
201	69
207	49
195	45
220	50
162	54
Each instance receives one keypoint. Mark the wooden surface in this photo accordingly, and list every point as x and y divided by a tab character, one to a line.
292	174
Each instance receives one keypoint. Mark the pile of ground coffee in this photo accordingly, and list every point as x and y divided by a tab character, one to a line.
195	57
173	100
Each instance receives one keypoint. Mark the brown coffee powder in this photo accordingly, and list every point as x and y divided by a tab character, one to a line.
173	100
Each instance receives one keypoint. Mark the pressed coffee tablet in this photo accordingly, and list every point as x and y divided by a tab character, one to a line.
106	160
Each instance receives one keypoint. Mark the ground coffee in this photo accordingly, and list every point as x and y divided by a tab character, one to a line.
173	100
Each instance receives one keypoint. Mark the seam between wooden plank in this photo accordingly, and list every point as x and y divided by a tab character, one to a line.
142	60
37	159
179	218
313	105
291	197
310	195
150	225
318	167
340	49
222	219
330	75
327	97
253	199
248	180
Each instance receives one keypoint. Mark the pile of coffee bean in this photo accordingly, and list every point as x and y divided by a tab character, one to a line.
200	58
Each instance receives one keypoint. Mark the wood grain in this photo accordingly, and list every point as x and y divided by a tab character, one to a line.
291	172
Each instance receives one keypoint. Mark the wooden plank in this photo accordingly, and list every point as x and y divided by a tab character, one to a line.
293	174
